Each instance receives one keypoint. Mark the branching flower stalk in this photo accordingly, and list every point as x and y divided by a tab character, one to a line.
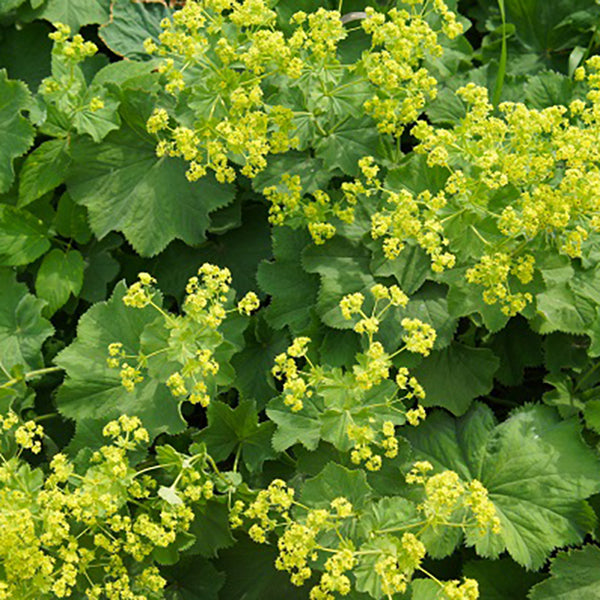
241	55
91	526
190	340
374	401
326	538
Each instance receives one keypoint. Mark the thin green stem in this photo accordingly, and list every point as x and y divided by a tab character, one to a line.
30	375
503	57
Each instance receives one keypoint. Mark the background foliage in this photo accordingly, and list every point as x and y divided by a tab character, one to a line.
512	391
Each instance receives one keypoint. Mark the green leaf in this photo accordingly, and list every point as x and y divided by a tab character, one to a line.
310	170
22	328
101	269
238	430
336	481
23	237
302	427
545	28
535	466
518	347
387	513
240	250
503	56
192	579
592	415
344	269
43	170
549	88
9	5
336	93
130	24
127	188
253	364
447	108
59	276
94	391
75	13
339	347
15	131
71	220
430	305
414	175
455	376
425	589
345	144
466	299
211	529
251	575
561	309
293	291
25	52
411	268
575	575
564	351
367	578
97	123
500	579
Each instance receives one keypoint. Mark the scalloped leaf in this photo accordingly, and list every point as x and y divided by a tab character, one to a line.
574	575
94	391
293	291
535	466
16	132
23	330
127	188
455	376
23	237
237	429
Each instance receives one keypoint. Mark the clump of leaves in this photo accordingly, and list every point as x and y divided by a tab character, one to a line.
299	299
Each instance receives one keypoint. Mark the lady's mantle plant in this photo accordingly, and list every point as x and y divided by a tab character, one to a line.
299	298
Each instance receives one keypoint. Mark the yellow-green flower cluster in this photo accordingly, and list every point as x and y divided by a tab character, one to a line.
396	567
298	543
372	436
365	438
140	293
192	337
352	304
290	205
419	336
75	531
327	541
297	383
399	43
75	50
318	33
446	496
237	123
403	217
248	304
467	590
29	436
546	164
493	271
236	53
303	382
66	89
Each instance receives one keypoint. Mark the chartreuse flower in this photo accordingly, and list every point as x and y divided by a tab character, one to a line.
192	338
372	437
238	50
327	540
90	529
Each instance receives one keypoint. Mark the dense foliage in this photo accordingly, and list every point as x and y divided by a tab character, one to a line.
299	299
